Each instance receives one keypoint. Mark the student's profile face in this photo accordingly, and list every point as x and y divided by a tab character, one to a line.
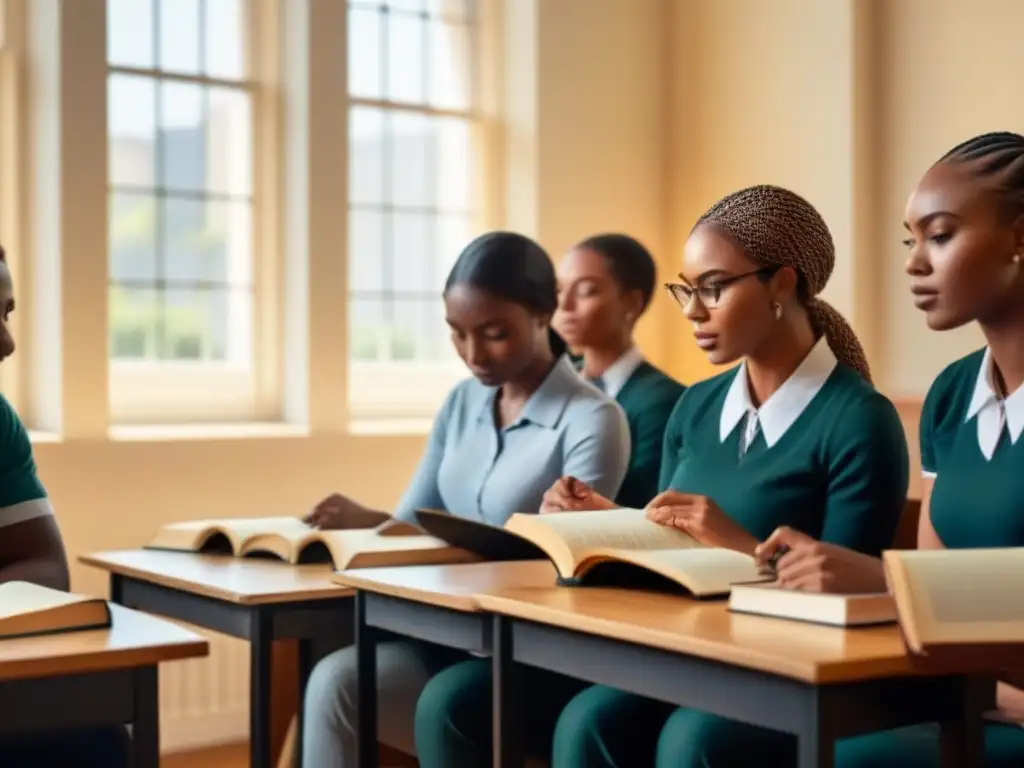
962	242
496	339
7	309
591	306
740	319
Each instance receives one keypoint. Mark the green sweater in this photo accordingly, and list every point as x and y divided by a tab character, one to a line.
839	472
648	397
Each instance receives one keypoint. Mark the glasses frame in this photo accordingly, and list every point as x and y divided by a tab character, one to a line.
711	293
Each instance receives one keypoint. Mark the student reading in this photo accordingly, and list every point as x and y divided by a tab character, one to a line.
31	549
965	222
794	435
499	441
605	284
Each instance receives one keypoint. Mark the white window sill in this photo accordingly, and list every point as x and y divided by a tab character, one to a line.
240	431
390	426
35	436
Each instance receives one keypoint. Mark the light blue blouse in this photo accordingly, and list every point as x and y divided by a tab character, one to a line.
475	470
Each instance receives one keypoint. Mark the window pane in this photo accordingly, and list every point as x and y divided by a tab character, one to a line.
366	155
130	33
229	141
207	241
407	335
411	160
133	238
413	6
412	255
406	58
453	233
224	39
182	136
451	10
207	325
134	314
368	334
365	49
366	251
131	126
451	66
179	26
453	186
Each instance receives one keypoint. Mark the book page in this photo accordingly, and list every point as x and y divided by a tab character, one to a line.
19	597
703	571
964	596
345	546
626	529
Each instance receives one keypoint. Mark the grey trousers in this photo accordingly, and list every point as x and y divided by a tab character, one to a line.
403	670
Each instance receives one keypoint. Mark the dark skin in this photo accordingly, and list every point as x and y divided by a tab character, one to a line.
966	264
743	324
32	550
504	345
595	315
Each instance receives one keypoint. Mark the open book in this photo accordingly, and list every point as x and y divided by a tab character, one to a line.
610	547
815	607
28	609
288	538
962	600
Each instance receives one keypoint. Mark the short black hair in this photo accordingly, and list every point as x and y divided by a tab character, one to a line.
630	263
511	267
1000	155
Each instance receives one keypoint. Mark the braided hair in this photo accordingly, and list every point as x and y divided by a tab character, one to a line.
778	228
999	155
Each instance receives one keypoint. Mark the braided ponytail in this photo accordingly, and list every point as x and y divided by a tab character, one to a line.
778	228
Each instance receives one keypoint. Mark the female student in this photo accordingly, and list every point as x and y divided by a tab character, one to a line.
966	239
31	549
605	284
524	419
795	434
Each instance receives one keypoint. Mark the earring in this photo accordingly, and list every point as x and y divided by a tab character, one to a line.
1016	258
778	310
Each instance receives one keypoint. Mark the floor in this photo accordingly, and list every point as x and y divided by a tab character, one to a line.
237	756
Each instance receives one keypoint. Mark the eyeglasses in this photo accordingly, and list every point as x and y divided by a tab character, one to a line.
710	293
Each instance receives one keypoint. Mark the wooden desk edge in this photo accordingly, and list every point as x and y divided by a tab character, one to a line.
809	672
105	660
461	603
96	560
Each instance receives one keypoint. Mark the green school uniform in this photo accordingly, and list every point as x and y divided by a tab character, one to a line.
648	397
826	454
967	441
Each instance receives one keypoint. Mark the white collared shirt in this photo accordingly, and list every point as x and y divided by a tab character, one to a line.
618	373
778	412
994	413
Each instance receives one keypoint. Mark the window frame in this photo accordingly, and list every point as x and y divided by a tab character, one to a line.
375	388
172	392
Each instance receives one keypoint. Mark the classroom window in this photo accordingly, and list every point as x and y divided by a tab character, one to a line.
183	305
415	155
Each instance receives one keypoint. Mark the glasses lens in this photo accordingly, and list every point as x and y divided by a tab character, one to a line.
709	295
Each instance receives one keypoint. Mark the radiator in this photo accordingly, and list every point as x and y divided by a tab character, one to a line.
205	702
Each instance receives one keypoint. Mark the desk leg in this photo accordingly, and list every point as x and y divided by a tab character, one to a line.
261	647
366	673
962	741
507	704
305	667
816	746
146	725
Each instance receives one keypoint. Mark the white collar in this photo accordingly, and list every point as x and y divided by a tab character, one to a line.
618	373
779	411
985	405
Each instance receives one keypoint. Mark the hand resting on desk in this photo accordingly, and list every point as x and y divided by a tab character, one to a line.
337	512
571	495
814	566
701	518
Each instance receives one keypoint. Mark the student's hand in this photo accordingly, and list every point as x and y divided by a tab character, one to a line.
813	566
336	512
700	517
571	495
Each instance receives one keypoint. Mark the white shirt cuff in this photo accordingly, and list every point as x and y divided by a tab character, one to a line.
25	510
928	474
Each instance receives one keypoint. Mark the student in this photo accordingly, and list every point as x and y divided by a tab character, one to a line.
604	285
794	435
966	239
501	439
31	549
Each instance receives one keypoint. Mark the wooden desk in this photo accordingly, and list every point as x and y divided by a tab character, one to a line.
435	603
258	600
93	678
820	683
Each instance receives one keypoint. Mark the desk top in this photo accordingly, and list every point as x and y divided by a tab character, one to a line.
247	581
449	586
134	640
809	652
